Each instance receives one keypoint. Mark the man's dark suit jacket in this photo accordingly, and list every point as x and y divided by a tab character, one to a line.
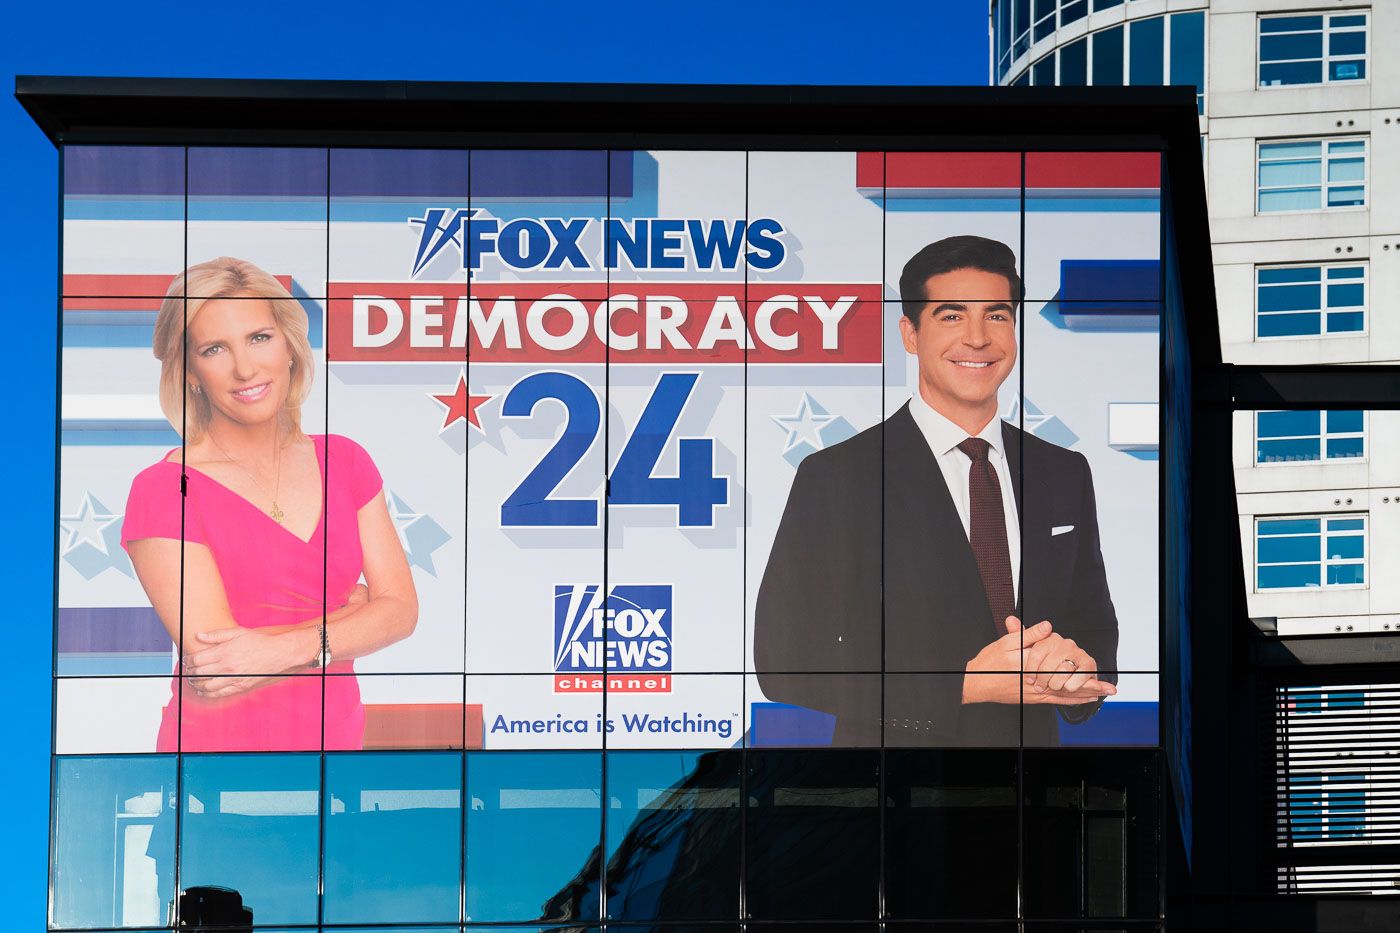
876	508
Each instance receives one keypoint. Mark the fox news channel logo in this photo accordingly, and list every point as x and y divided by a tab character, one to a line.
624	640
553	242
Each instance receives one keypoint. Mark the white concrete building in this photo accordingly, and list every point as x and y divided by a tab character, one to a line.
1299	106
1300	119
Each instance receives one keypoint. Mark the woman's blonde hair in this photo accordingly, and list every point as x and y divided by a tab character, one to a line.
225	277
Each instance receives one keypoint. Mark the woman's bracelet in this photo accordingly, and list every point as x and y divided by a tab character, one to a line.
323	656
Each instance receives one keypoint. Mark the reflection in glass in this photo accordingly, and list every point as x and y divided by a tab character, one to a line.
950	834
807	809
1090	827
251	823
673	831
393	837
534	819
113	841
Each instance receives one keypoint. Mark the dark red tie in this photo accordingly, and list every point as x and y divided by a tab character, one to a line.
988	532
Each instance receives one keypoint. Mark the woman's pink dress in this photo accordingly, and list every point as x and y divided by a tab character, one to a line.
271	577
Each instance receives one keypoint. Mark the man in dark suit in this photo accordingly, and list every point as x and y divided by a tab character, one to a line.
908	555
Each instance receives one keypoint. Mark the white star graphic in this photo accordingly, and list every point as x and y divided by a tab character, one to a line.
805	425
87	526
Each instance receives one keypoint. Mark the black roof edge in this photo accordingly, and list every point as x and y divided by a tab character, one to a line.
72	109
75	110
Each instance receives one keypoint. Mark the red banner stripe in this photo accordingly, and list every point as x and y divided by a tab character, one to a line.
643	322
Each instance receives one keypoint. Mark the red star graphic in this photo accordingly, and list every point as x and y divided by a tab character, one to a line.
461	404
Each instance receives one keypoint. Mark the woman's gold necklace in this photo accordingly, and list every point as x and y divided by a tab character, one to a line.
275	513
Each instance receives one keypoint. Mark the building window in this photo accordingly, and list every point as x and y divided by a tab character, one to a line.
1312	174
1307	551
1326	807
1308	436
1146	51
1313	49
1310	301
1043	72
1074	64
1108	57
1188	53
1044	19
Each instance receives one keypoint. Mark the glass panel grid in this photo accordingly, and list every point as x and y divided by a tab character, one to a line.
1308	552
1142	54
1044	18
1311	49
289	792
1310	175
1308	436
1311	301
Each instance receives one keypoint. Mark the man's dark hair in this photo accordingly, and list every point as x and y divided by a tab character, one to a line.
948	255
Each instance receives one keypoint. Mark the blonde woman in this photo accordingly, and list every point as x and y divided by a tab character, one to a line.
255	568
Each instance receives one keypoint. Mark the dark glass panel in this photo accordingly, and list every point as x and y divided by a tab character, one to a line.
1145	51
1347	43
1090	834
1108	57
1346	296
1289	423
673	835
1346	321
1285	47
1189	49
1338	421
812	830
1346	547
1290	274
937	803
1346	574
1289	23
1074	64
1284	550
1290	526
1289	325
1289	451
1287	576
1290	73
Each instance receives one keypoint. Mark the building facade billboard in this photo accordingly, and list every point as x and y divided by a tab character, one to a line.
604	449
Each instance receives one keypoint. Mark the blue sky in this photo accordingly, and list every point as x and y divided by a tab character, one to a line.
773	42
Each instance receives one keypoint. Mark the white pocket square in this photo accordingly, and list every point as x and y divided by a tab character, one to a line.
1060	529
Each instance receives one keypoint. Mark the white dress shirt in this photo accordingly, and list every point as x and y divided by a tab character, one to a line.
943	438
